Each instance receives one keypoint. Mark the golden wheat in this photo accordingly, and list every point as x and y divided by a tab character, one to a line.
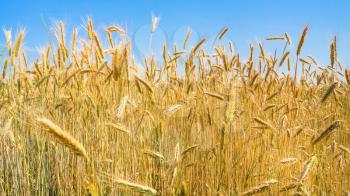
203	121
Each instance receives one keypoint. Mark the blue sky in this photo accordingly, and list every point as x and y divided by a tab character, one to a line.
249	21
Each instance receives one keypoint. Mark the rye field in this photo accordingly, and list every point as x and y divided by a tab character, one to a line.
85	118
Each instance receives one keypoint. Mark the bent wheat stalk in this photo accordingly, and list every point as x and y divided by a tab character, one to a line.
307	167
291	186
288	160
328	92
132	186
260	188
63	136
326	132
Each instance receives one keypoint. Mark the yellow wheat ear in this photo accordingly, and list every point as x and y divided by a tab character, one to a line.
260	188
18	43
302	40
63	136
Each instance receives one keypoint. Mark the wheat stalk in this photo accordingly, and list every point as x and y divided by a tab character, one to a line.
332	54
189	31
119	127
328	92
307	167
326	132
291	186
115	28
262	122
302	40
223	32
288	160
284	57
135	186
289	41
153	154
275	38
215	95
260	188
18	43
62	136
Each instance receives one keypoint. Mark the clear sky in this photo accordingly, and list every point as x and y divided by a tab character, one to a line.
249	21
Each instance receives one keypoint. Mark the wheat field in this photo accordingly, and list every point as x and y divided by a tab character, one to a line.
85	119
